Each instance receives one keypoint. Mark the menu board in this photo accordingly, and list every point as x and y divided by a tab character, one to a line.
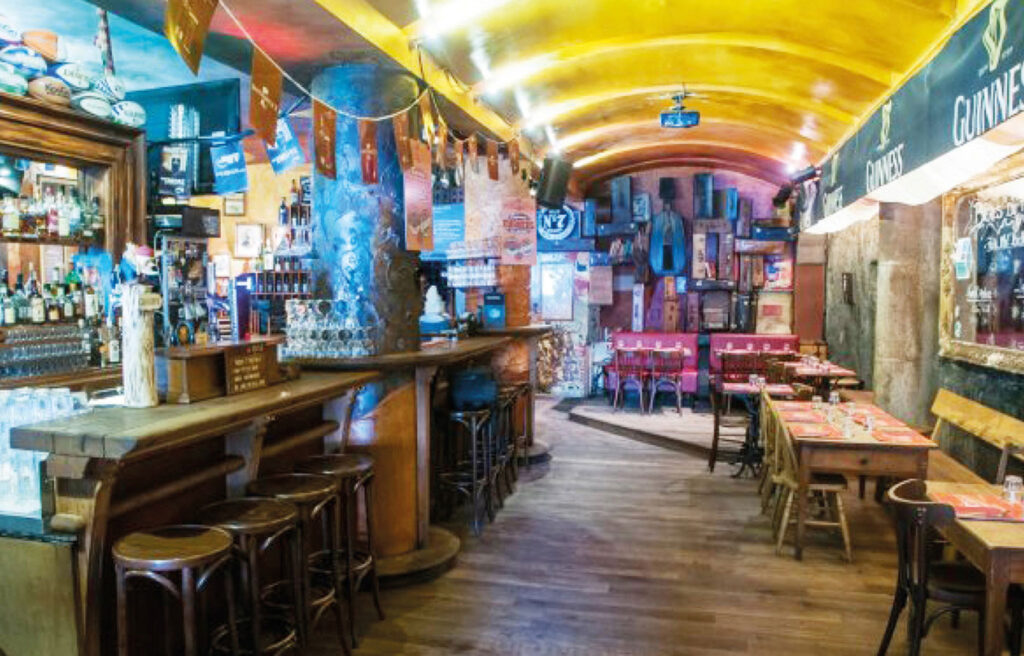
247	367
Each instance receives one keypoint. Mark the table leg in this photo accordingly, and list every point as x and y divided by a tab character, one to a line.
995	606
803	482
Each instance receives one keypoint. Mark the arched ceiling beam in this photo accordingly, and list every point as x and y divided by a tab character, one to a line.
550	114
667	146
768	177
523	71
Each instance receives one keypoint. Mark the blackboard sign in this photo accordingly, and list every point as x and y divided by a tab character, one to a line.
247	367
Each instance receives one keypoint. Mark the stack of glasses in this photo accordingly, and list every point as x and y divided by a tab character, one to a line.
38	350
328	330
20	470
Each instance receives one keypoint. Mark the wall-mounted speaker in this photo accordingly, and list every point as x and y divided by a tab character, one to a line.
554	180
667	188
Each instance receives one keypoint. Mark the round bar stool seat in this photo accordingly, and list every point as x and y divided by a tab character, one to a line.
337	465
193	550
256	524
296	488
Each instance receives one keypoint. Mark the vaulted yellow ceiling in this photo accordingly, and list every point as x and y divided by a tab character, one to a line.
778	83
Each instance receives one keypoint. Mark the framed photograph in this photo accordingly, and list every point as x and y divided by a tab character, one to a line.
641	208
222	265
234	204
248	240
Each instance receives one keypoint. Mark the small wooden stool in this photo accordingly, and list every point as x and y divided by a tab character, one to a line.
197	552
316	498
257	524
353	472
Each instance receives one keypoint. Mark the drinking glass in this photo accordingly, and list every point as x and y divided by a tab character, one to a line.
1012	486
816	402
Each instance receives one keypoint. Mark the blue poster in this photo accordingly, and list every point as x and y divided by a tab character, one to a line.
449	227
229	171
287	153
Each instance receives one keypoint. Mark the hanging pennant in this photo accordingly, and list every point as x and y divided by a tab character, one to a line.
428	118
264	96
324	121
442	146
460	155
401	127
186	23
513	155
471	142
492	159
368	151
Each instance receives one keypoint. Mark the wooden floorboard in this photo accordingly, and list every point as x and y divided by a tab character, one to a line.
621	548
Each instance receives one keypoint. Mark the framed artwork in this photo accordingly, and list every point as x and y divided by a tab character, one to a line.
641	208
248	240
234	204
981	309
556	286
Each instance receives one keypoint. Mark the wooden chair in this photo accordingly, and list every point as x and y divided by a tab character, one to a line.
828	488
920	578
721	409
630	366
738	366
667	368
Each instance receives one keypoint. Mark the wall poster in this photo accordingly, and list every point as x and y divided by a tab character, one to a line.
519	230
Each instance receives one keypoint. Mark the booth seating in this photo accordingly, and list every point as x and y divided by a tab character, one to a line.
653	362
736	345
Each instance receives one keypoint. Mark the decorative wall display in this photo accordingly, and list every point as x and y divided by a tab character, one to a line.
248	240
774	313
519	231
981	316
419	205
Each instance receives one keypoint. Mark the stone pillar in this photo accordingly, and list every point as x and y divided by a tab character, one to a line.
358	229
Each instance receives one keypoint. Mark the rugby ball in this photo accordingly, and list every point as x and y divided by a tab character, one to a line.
92	103
26	61
110	86
8	34
46	43
11	82
129	113
75	76
50	89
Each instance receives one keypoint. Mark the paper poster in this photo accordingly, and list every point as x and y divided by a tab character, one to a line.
229	172
774	313
174	168
962	258
419	201
778	272
519	230
324	122
286	153
264	96
601	289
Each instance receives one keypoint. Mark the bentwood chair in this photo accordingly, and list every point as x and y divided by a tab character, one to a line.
631	367
920	578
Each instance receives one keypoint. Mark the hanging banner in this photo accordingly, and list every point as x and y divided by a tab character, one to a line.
264	96
492	159
513	156
368	151
471	145
286	153
229	172
401	127
186	23
419	205
428	118
460	154
518	230
442	146
324	127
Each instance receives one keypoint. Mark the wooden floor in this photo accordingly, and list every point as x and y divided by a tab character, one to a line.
620	547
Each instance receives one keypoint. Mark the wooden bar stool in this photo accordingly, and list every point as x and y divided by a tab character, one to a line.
353	472
506	440
468	473
316	498
194	552
257	524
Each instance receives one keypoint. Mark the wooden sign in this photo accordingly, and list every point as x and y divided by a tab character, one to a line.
187	374
249	367
325	122
264	97
368	151
186	23
705	226
401	127
492	159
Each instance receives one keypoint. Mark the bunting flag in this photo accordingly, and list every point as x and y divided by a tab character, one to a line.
401	127
186	23
513	155
492	159
264	96
471	142
442	146
368	151
460	154
325	122
428	118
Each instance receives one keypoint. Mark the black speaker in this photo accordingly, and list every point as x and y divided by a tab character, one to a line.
667	188
554	178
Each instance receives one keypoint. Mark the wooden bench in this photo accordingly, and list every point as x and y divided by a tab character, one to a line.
1002	431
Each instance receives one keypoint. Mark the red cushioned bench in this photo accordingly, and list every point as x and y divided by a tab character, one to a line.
670	360
742	343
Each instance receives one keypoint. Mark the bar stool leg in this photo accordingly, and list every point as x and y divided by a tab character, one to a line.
295	557
229	592
374	579
255	611
188	610
170	604
336	572
350	527
489	480
122	611
302	566
475	483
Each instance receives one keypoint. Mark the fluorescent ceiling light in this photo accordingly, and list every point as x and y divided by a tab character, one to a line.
454	15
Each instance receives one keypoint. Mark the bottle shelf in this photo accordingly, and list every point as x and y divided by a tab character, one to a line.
50	241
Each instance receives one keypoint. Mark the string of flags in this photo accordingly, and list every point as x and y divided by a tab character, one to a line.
186	25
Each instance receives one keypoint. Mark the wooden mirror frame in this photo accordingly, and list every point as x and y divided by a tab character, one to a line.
995	357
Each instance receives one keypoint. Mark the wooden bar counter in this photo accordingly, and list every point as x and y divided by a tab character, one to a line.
118	469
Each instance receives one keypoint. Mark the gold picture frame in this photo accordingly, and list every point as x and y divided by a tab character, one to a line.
996	357
234	204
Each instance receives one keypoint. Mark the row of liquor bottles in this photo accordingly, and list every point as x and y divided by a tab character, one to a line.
51	216
294	219
65	299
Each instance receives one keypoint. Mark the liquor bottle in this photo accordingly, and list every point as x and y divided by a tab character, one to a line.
113	342
90	302
52	215
20	299
8	317
36	302
11	218
75	214
295	197
267	256
282	212
63	217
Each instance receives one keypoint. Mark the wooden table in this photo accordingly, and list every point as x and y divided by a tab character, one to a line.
860	455
823	375
995	548
750	453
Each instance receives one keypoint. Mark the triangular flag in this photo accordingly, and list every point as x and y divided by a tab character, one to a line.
325	123
492	159
442	146
186	23
513	155
264	96
471	143
460	154
400	124
428	117
368	151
